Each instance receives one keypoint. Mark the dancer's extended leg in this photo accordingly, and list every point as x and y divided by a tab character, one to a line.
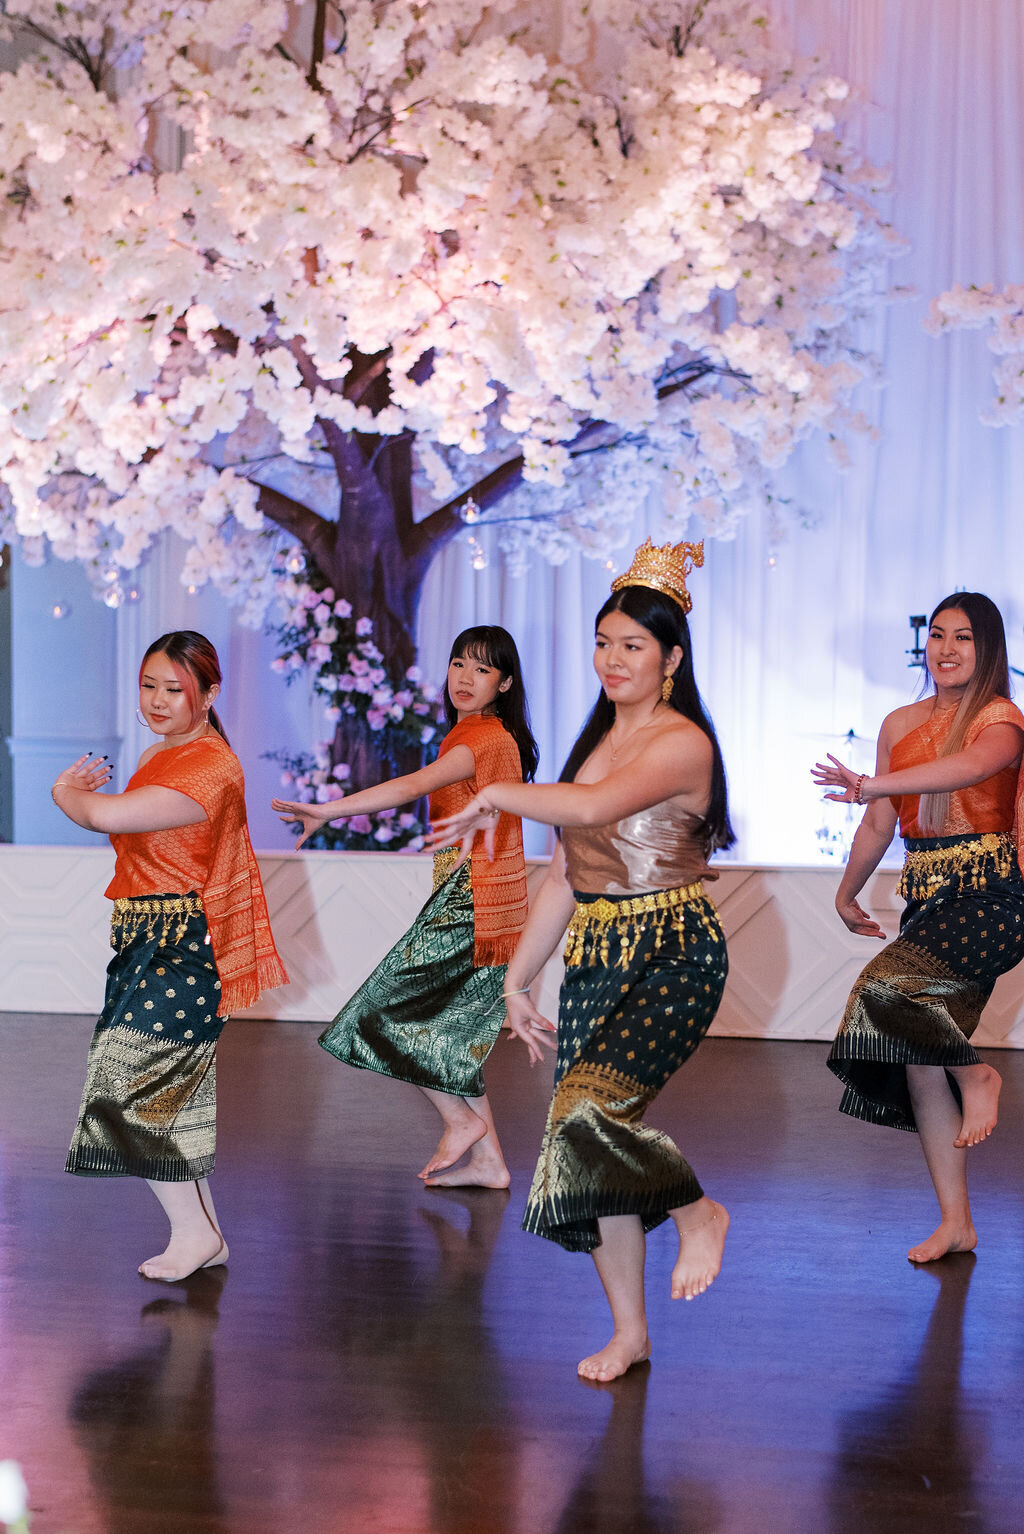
702	1228
620	1266
939	1122
485	1167
196	1240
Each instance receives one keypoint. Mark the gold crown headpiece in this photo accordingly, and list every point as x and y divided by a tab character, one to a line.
664	569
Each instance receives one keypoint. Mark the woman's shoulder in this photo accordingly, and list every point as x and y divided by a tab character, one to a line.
210	756
997	711
681	733
903	721
478	728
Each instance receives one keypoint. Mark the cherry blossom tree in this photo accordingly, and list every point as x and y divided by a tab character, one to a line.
978	308
437	265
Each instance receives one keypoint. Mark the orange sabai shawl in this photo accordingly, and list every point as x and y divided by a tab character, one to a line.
499	888
992	805
214	858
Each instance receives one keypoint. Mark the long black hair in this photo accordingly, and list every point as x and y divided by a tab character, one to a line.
991	679
494	646
664	619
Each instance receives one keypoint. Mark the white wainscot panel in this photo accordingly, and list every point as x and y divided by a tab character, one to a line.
335	915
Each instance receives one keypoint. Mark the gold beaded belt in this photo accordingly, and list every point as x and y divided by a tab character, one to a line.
972	862
627	919
445	859
133	913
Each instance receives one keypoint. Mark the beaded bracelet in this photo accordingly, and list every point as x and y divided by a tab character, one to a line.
860	784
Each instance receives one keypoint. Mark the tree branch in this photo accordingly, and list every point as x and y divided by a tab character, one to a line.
319	34
430	535
314	532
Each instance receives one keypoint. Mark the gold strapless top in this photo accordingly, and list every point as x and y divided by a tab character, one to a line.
657	849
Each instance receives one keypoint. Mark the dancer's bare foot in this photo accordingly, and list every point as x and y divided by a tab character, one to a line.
950	1236
186	1255
979	1087
458	1136
485	1168
702	1228
614	1359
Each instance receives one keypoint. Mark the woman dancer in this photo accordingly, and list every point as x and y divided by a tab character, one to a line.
431	1011
641	804
947	769
192	943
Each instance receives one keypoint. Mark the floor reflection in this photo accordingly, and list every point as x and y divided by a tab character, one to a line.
439	1380
145	1424
916	1446
613	1496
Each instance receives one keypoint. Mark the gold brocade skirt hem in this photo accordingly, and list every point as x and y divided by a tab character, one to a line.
646	977
149	1105
919	1001
570	1220
427	1015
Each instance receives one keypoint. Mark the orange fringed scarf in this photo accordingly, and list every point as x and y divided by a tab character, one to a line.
499	888
986	806
214	857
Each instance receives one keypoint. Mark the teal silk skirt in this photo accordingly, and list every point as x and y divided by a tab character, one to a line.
426	1015
149	1107
920	999
643	980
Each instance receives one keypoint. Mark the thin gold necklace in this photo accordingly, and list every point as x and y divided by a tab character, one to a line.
616	749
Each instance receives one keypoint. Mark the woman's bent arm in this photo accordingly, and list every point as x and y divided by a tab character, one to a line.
547	921
996	748
874	834
549	916
141	809
454	767
668	767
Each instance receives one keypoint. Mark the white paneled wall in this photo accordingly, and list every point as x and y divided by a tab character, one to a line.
792	962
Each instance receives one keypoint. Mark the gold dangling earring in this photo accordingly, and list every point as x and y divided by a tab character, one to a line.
667	686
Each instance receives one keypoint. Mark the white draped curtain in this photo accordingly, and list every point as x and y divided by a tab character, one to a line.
791	654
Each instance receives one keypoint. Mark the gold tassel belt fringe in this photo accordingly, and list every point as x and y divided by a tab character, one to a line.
445	859
971	862
627	920
157	915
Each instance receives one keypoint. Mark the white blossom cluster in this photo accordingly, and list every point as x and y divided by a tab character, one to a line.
977	308
542	249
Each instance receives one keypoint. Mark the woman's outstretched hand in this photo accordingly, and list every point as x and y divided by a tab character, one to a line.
309	816
478	815
838	776
88	773
858	920
527	1024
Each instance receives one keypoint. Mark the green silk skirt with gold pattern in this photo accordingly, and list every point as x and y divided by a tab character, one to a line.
920	999
426	1015
644	976
149	1107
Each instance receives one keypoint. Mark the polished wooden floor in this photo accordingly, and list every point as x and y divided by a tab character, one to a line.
384	1360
